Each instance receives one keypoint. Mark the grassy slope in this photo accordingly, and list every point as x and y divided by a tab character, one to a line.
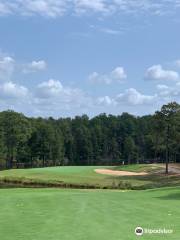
43	214
139	167
85	176
74	175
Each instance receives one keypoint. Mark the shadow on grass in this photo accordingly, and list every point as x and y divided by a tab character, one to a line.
173	196
151	177
149	181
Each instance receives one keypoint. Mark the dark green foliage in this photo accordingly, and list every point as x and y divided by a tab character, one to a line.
168	123
102	140
15	131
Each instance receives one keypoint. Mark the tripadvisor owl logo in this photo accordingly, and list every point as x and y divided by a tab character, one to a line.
139	231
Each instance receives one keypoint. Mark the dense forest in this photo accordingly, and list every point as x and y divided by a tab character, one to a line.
103	140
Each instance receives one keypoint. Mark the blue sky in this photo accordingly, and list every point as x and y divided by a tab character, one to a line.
73	57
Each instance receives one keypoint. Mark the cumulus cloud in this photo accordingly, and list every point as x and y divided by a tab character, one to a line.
129	97
48	98
49	89
117	75
54	92
11	90
35	66
7	66
53	96
106	101
169	93
133	97
11	93
157	72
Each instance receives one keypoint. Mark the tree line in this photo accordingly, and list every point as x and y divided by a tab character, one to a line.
103	140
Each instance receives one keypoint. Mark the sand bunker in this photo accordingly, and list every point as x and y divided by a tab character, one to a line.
119	173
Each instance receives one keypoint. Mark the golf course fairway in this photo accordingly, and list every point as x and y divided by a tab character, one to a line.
67	214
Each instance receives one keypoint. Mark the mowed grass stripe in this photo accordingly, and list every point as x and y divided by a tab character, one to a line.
43	214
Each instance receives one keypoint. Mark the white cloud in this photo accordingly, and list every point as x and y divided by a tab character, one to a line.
129	97
162	87
156	72
11	90
130	6
106	101
111	31
49	89
53	92
45	8
7	66
164	91
57	8
82	6
4	9
117	75
133	97
48	98
38	65
169	93
8	7
98	78
52	98
35	66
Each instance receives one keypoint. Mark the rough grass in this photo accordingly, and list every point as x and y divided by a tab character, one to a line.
85	177
139	168
43	214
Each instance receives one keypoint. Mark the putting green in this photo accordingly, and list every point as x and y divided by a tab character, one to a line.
57	214
83	176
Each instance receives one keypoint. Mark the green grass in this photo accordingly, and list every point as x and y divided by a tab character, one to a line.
139	168
85	177
56	214
74	175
